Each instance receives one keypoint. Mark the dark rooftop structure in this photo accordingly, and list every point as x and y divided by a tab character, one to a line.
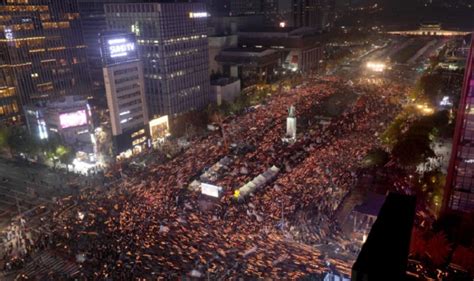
384	255
280	38
371	205
271	29
248	56
223	81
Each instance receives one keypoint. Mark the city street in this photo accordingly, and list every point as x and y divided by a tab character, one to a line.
236	140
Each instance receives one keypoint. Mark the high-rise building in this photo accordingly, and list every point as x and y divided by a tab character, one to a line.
42	54
173	44
93	23
459	191
125	90
9	105
218	7
317	14
245	7
233	7
276	12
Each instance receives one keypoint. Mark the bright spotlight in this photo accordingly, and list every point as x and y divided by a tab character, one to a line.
376	66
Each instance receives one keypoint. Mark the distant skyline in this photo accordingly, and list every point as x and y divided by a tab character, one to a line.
409	13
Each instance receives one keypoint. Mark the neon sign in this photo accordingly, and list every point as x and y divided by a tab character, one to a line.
120	47
198	15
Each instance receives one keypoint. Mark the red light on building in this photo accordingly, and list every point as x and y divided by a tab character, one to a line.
459	190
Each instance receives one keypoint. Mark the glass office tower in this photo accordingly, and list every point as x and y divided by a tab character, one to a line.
174	49
42	54
459	192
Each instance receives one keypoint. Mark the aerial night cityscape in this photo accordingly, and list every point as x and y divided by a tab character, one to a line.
237	140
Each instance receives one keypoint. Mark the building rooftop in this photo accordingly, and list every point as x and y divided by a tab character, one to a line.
63	102
249	50
248	56
371	205
280	31
270	29
223	81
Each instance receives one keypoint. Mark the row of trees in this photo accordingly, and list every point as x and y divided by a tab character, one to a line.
16	141
433	85
411	141
438	251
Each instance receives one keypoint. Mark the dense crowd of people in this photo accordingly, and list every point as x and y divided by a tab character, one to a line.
151	224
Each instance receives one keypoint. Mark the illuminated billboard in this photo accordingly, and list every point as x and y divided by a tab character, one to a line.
196	15
210	190
117	47
73	119
159	128
120	47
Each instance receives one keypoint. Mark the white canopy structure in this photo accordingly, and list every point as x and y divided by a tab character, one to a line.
259	181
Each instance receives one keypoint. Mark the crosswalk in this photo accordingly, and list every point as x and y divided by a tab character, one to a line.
46	265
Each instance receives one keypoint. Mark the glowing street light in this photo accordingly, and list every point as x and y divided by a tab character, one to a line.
424	108
428	110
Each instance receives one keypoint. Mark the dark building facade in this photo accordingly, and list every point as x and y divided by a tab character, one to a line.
312	13
9	105
459	191
245	7
276	11
172	39
93	20
93	23
42	54
125	90
218	7
384	256
299	48
233	7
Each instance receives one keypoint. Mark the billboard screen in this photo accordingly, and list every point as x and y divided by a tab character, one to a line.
118	47
210	190
73	119
159	128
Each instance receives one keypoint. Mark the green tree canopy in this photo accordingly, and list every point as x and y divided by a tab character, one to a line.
412	151
376	157
19	141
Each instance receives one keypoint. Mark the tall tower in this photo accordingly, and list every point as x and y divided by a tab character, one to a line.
125	90
94	23
174	50
459	191
42	54
317	14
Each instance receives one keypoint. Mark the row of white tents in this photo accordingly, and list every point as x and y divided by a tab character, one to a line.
259	181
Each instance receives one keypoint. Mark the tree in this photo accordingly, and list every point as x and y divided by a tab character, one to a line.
66	155
464	257
394	131
417	243
3	138
19	141
410	152
414	146
376	157
431	85
50	148
438	248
